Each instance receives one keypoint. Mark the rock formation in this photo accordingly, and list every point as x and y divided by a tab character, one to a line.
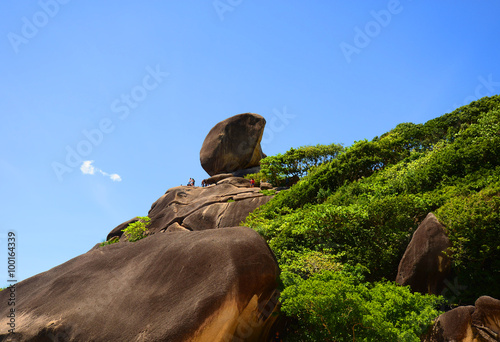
117	231
194	208
479	323
186	281
225	205
211	285
233	145
425	265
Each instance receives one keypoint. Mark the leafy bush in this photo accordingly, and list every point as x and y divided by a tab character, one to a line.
374	234
270	192
296	162
473	226
338	305
136	230
111	241
257	177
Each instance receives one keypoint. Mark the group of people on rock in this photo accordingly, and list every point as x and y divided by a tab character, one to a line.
204	182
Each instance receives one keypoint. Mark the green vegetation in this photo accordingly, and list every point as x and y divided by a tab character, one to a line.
110	241
136	230
283	169
270	192
297	162
257	177
358	208
340	304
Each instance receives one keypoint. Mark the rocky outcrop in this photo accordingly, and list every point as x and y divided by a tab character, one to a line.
479	323
117	231
425	265
186	281
238	182
265	186
226	204
216	178
211	285
233	144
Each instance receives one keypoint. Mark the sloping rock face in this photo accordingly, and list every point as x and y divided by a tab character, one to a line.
226	204
479	323
233	144
424	265
212	285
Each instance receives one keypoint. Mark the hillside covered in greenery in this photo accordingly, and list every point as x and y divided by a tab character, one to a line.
340	232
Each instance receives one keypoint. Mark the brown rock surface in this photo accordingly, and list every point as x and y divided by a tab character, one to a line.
195	208
212	285
266	186
239	182
479	323
233	144
424	265
117	231
216	178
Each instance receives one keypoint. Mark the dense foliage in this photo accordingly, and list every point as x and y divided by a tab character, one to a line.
282	169
361	207
363	158
341	306
331	299
136	230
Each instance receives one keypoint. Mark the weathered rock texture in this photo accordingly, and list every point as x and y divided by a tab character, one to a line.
233	144
265	186
117	231
212	285
424	265
226	204
479	323
216	178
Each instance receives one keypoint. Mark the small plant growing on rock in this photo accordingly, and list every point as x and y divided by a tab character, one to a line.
111	241
136	230
270	192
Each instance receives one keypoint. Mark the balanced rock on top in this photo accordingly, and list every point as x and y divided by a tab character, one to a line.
233	144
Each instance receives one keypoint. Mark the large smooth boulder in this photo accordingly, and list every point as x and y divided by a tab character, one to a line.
212	285
425	265
479	323
226	204
233	144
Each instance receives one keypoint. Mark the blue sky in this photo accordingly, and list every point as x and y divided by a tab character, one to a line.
135	87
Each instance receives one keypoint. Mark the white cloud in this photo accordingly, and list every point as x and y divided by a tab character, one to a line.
88	169
115	178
